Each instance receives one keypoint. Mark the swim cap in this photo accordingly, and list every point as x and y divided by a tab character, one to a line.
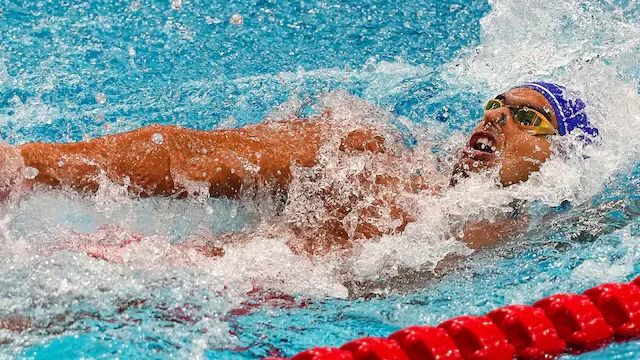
570	111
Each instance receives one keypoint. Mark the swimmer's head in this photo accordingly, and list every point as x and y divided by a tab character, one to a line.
515	131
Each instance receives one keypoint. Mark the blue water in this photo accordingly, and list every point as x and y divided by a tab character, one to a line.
189	65
71	71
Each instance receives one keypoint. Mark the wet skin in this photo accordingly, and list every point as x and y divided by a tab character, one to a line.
517	153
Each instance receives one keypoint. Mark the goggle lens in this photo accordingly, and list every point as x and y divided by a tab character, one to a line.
527	117
493	104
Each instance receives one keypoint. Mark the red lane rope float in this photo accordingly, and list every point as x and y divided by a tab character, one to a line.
427	342
578	321
529	330
562	323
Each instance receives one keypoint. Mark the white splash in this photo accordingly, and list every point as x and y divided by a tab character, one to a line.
27	114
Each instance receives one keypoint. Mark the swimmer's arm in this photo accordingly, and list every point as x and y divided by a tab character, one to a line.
486	233
165	160
127	157
363	140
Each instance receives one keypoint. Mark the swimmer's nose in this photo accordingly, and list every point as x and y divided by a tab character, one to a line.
497	118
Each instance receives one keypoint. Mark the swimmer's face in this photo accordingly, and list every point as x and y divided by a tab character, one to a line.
498	140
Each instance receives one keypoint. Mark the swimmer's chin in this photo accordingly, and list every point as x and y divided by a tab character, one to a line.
469	164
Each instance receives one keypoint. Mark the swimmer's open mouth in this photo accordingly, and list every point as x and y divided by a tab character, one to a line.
483	141
483	146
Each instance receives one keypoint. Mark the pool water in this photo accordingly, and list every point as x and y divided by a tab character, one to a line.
73	71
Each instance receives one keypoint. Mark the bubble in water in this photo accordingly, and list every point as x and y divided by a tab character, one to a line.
132	51
157	138
15	100
60	163
454	7
208	210
101	98
176	4
30	172
237	19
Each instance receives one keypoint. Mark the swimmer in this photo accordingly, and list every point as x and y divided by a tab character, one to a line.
513	136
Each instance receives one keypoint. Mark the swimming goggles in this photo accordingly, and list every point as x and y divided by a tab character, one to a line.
528	119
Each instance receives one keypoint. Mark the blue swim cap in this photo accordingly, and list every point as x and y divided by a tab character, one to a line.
570	111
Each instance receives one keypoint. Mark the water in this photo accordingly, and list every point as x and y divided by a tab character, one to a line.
74	71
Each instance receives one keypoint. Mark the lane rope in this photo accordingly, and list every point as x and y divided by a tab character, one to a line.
558	324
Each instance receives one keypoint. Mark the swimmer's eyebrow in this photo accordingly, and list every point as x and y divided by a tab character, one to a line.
508	101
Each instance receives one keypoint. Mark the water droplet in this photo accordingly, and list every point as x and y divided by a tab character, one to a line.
157	138
212	20
101	98
30	172
237	19
134	6
176	4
